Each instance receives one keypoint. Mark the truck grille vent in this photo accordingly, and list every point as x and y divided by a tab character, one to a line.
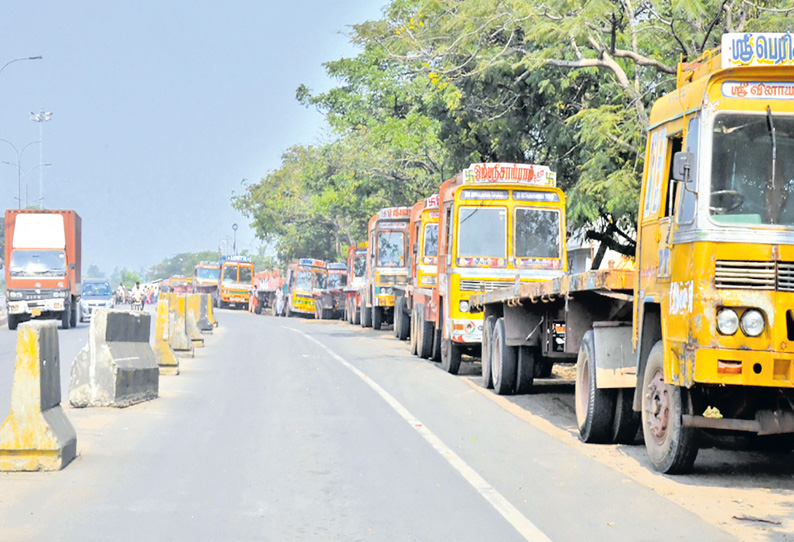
738	275
393	279
483	285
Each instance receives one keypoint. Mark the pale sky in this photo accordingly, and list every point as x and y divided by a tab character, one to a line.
159	110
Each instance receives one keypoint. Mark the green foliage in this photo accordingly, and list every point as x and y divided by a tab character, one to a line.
94	272
439	84
180	264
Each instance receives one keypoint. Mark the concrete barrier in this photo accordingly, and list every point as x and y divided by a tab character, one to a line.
205	308
208	308
166	359
192	310
117	367
177	330
37	435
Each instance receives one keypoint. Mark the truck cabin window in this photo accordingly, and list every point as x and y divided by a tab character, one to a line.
752	169
303	280
430	248
230	273
37	263
334	281
482	232
537	233
391	249
245	274
359	266
206	273
320	281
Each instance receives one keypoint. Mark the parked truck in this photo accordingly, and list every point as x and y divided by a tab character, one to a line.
498	223
42	265
701	335
305	277
329	303
357	277
205	278
387	264
235	282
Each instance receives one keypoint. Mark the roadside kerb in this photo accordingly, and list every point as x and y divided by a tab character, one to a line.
117	367
37	435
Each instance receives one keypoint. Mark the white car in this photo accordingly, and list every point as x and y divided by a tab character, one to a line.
96	294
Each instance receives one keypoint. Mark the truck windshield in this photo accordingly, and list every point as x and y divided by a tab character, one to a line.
335	281
37	263
246	273
430	240
391	245
303	280
320	281
482	232
207	273
230	273
359	266
752	169
537	233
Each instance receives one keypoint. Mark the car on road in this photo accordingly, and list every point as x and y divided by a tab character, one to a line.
97	293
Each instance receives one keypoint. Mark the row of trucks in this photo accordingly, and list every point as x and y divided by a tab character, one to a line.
697	337
314	287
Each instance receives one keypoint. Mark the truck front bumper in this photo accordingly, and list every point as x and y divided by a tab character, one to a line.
734	367
35	308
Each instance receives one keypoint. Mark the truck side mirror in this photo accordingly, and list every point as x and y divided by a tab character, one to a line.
72	266
416	248
682	165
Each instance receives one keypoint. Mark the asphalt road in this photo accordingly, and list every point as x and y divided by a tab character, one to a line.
292	429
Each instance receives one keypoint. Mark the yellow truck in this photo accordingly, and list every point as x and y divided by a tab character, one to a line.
701	335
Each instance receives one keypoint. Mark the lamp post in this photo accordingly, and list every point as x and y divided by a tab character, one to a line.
234	246
41	117
38	57
19	166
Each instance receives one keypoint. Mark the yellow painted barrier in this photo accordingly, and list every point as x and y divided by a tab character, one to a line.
166	359
177	333
37	435
192	310
208	307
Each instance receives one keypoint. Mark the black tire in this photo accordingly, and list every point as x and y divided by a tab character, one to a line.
542	368
402	322
528	361
395	328
366	315
258	309
73	316
450	356
436	356
414	337
327	314
65	317
13	321
427	332
504	360
595	408
672	448
288	310
487	339
626	422
377	317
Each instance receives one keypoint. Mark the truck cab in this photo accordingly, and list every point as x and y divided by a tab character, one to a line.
235	281
305	277
205	277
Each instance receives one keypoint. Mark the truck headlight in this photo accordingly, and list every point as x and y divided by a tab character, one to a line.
752	323
59	293
464	305
13	294
727	321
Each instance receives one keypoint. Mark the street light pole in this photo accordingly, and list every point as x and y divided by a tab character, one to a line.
19	167
41	117
234	246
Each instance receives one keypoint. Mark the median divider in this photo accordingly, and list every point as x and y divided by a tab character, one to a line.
117	367
178	337
205	321
192	310
166	360
37	435
206	305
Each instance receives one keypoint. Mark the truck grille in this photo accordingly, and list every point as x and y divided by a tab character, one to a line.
483	285
393	279
739	275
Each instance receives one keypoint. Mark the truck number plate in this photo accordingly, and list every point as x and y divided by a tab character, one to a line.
35	312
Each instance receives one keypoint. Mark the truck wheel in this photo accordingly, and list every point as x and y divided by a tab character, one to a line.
402	321
65	317
543	368
414	341
626	422
487	340
595	408
672	448
450	356
396	327
73	316
427	333
528	361
258	308
503	361
13	321
366	316
377	317
436	356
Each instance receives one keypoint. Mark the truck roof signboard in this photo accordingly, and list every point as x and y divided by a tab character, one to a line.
394	212
757	49
510	173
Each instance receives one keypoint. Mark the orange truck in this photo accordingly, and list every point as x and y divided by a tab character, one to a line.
205	277
387	264
42	265
235	281
409	309
179	285
357	277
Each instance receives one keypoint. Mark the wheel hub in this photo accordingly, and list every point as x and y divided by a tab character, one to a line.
657	407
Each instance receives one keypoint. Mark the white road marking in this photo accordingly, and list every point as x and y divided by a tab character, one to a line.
519	521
